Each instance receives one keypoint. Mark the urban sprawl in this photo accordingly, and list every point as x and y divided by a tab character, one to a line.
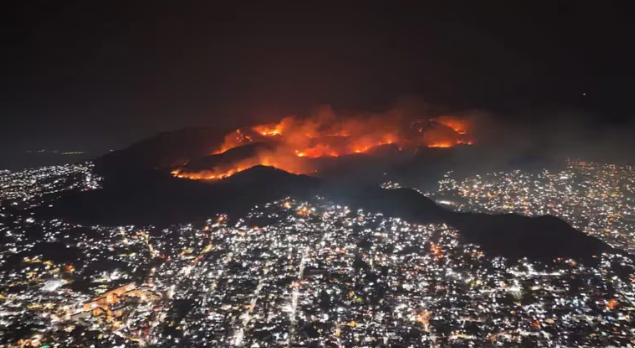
316	274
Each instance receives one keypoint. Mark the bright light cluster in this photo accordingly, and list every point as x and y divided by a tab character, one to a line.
296	273
24	188
311	274
595	198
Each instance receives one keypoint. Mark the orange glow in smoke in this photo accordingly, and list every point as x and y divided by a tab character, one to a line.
271	158
208	175
324	135
448	144
269	131
458	125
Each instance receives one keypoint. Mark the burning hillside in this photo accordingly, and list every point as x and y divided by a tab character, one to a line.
294	141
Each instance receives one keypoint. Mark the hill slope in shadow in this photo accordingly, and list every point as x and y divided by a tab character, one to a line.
162	199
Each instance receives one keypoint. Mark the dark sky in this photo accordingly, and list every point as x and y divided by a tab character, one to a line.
91	75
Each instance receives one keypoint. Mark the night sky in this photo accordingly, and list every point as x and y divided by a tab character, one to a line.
93	76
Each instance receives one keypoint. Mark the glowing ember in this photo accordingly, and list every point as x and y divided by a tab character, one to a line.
441	145
208	174
268	131
458	125
325	135
272	158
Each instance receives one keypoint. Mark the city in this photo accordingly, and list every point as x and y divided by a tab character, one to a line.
380	174
598	199
315	274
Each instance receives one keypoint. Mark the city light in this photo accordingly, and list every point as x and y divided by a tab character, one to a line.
315	273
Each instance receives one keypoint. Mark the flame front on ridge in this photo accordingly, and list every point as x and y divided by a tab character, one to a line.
324	135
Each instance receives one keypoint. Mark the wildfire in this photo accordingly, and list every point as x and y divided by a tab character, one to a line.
208	174
272	158
325	135
269	131
448	144
458	125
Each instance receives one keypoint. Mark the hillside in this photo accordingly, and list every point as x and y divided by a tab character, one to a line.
165	200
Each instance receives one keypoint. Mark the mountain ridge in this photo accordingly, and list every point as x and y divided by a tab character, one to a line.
173	200
139	189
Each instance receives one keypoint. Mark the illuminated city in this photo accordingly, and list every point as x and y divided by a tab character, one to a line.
594	198
302	175
314	274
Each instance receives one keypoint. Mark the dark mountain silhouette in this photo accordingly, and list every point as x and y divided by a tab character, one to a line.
139	189
163	150
163	199
170	200
404	203
513	236
193	147
510	235
228	157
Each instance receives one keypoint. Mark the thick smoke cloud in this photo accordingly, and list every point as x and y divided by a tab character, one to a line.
312	143
327	133
555	134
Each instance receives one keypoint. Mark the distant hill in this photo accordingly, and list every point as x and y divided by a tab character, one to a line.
163	150
163	199
193	147
513	236
510	235
230	156
166	200
139	189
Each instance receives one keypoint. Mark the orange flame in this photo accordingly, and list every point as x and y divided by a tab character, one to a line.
325	135
272	158
444	145
268	131
458	125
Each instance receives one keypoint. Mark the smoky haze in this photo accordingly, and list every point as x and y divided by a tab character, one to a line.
98	76
477	141
555	135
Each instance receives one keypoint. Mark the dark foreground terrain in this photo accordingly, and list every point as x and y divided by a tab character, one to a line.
158	198
139	189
